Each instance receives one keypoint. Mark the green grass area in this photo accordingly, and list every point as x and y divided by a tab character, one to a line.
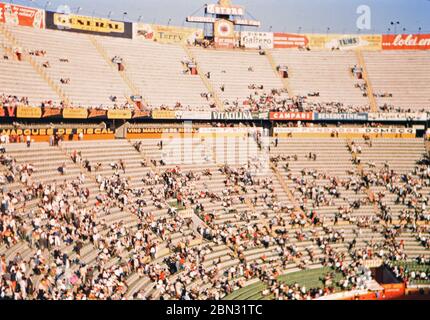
309	278
312	278
411	265
414	266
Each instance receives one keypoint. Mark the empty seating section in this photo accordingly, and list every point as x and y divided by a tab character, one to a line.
18	78
157	71
92	80
326	72
404	74
236	72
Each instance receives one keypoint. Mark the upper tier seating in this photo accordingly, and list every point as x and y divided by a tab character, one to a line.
404	74
18	78
326	72
231	70
156	69
92	80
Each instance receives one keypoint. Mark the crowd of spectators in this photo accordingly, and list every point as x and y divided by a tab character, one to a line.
60	222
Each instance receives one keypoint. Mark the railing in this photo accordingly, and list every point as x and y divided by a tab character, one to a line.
285	82
369	88
127	80
209	87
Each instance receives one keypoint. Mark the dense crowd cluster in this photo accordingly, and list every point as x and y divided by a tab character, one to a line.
274	100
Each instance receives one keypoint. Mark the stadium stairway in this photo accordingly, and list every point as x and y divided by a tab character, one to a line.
16	76
236	72
72	56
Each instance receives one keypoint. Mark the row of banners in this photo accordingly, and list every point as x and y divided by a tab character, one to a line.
224	32
70	113
141	132
126	114
267	40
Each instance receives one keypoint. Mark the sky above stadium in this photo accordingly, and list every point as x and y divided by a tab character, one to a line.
306	16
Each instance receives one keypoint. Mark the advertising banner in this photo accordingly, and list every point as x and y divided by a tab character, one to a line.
256	40
224	34
247	22
22	16
342	132
291	116
53	131
406	42
138	114
167	34
163	130
7	112
160	132
75	113
231	115
398	116
288	40
394	290
225	9
191	115
97	113
29	112
90	25
119	114
345	42
341	116
201	19
43	134
51	113
163	114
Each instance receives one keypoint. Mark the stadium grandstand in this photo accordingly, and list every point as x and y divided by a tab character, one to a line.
153	162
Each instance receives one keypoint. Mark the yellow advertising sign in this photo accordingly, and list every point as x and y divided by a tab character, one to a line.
71	21
163	114
119	114
29	112
345	42
53	131
168	34
75	113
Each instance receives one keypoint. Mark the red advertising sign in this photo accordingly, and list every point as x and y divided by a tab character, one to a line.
97	113
7	112
288	40
21	16
291	116
406	42
51	112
